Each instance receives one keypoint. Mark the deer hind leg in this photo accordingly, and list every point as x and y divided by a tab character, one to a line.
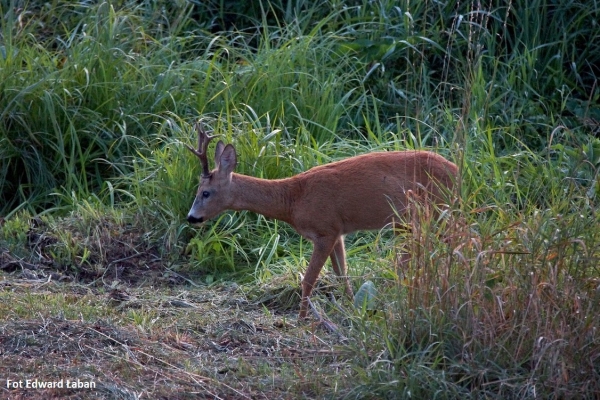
323	247
338	262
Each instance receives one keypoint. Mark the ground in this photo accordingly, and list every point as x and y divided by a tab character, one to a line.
130	327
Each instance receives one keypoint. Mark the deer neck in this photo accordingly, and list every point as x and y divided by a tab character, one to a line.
269	197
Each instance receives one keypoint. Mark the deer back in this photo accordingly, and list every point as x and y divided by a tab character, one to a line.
367	191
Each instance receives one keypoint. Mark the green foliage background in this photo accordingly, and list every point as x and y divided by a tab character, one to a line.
86	86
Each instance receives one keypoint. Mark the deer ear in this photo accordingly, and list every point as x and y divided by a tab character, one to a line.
218	152
227	160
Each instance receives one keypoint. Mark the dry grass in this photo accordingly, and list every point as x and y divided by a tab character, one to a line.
159	342
138	329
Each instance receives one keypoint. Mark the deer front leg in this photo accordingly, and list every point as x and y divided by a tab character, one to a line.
323	247
338	262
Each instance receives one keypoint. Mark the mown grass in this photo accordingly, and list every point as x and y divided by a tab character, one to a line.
499	299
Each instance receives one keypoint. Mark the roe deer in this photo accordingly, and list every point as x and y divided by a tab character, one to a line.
364	192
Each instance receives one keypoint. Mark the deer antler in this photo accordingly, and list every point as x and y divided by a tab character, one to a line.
203	139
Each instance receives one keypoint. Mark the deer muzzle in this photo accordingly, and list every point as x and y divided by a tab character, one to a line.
194	220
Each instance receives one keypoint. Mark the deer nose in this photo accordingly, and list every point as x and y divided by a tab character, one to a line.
193	220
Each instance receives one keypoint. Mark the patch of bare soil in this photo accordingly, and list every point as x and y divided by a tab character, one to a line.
96	252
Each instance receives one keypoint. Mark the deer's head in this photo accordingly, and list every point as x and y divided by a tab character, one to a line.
213	194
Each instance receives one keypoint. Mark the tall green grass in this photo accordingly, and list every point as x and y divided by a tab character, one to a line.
89	103
497	302
81	95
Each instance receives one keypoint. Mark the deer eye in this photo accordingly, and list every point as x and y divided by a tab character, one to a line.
205	194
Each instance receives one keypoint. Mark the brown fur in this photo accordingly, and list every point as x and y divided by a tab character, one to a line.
326	202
